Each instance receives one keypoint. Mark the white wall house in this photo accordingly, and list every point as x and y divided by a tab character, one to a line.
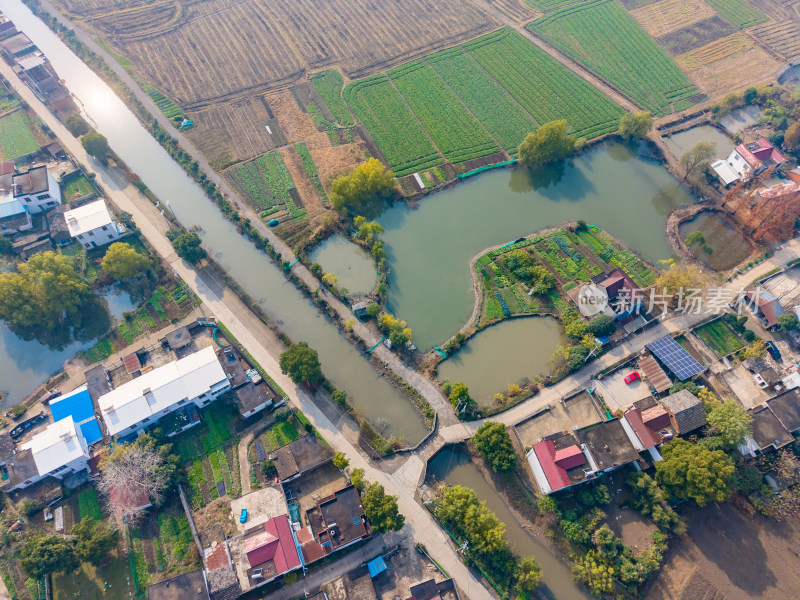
13	216
36	189
197	378
58	451
92	225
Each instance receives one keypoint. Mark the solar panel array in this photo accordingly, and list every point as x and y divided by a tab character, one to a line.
675	358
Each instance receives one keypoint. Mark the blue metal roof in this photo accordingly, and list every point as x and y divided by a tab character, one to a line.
76	404
376	566
91	431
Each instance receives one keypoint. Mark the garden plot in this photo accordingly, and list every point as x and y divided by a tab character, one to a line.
268	185
697	35
739	12
720	337
16	137
668	15
604	37
163	545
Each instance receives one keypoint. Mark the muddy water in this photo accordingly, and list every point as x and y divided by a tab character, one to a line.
429	249
374	397
503	354
453	467
24	365
728	245
353	267
685	140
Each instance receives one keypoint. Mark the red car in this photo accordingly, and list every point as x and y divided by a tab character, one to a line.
632	377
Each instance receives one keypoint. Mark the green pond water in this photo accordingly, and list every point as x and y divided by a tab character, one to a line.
728	245
353	267
429	248
503	354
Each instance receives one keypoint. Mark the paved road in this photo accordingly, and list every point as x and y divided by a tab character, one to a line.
262	345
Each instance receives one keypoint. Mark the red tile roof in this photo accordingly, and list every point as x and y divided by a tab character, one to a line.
647	436
275	543
569	458
556	476
216	557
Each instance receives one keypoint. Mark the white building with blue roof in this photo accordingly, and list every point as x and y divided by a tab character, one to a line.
78	405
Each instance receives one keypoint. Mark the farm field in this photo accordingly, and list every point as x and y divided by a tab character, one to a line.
719	337
666	16
176	43
570	257
235	131
519	10
457	134
604	37
731	63
697	35
381	109
783	38
267	183
492	76
499	113
329	86
739	12
16	137
163	545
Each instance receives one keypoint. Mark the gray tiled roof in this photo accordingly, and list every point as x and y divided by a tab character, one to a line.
687	409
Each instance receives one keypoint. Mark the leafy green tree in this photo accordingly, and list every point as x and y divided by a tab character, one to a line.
5	244
187	245
459	393
94	540
373	309
95	144
367	231
548	504
46	293
301	363
339	396
460	510
367	183
122	262
608	545
357	478
698	158
634	126
46	553
601	325
494	444
340	461
730	421
750	94
693	471
381	509
595	572
788	321
528	573
550	143
76	125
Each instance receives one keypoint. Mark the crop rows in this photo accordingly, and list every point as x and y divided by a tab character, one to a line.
543	86
452	128
400	137
311	169
165	105
739	12
329	85
494	108
248	179
279	180
719	337
604	37
727	46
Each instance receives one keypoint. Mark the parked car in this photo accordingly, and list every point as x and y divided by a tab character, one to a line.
243	516
774	352
26	425
632	377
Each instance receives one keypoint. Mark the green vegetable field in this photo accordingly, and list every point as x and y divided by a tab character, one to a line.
329	85
394	127
467	100
452	128
739	12
500	114
720	337
543	86
16	138
266	182
604	37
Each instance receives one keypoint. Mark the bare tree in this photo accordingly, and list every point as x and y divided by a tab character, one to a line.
132	476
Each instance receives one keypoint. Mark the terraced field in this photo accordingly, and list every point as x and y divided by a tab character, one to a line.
457	134
604	37
739	12
500	114
668	15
